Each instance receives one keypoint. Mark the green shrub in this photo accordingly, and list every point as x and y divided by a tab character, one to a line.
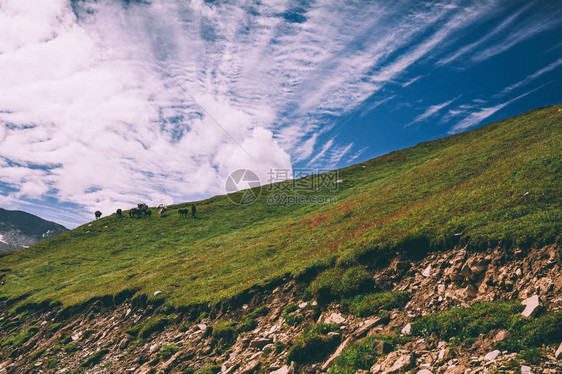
260	312
53	327
168	350
336	283
532	355
65	339
152	325
71	348
279	347
314	343
213	369
293	319
371	304
18	339
134	330
224	333
290	308
465	324
394	339
247	324
51	363
360	355
95	358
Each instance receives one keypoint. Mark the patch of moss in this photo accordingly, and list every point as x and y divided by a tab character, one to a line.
168	350
360	355
314	343
71	348
466	324
224	333
336	283
95	358
51	363
372	304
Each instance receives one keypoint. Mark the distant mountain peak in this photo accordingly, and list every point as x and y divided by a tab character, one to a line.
20	229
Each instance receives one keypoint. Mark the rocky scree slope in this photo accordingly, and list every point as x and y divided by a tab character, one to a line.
455	311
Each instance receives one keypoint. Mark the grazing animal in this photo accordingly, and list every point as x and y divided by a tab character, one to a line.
119	213
148	213
135	212
193	210
183	212
161	209
97	214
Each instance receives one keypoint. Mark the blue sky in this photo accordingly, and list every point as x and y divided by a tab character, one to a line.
106	104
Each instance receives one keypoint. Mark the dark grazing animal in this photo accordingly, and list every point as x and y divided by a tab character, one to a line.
135	212
183	212
148	213
193	210
97	214
119	213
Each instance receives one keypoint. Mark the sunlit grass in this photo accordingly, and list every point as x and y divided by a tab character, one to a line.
497	185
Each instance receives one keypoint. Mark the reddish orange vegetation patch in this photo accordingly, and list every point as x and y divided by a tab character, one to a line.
311	221
345	206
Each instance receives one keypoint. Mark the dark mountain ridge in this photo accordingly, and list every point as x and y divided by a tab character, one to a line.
20	229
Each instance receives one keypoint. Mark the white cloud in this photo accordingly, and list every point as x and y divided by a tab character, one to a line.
480	115
432	110
525	32
533	76
471	47
104	105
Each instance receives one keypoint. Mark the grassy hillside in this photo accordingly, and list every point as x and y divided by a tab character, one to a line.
497	185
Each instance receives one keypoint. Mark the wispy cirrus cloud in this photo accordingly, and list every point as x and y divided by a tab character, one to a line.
532	77
105	104
431	111
479	115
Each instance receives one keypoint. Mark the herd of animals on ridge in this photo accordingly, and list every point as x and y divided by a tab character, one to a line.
142	210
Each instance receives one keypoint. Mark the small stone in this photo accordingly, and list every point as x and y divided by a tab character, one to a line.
491	356
424	371
518	272
367	325
202	326
445	354
532	306
303	305
260	343
427	272
407	330
282	370
334	318
157	293
251	367
526	369
402	364
502	335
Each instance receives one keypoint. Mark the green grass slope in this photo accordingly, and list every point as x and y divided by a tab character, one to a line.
497	185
